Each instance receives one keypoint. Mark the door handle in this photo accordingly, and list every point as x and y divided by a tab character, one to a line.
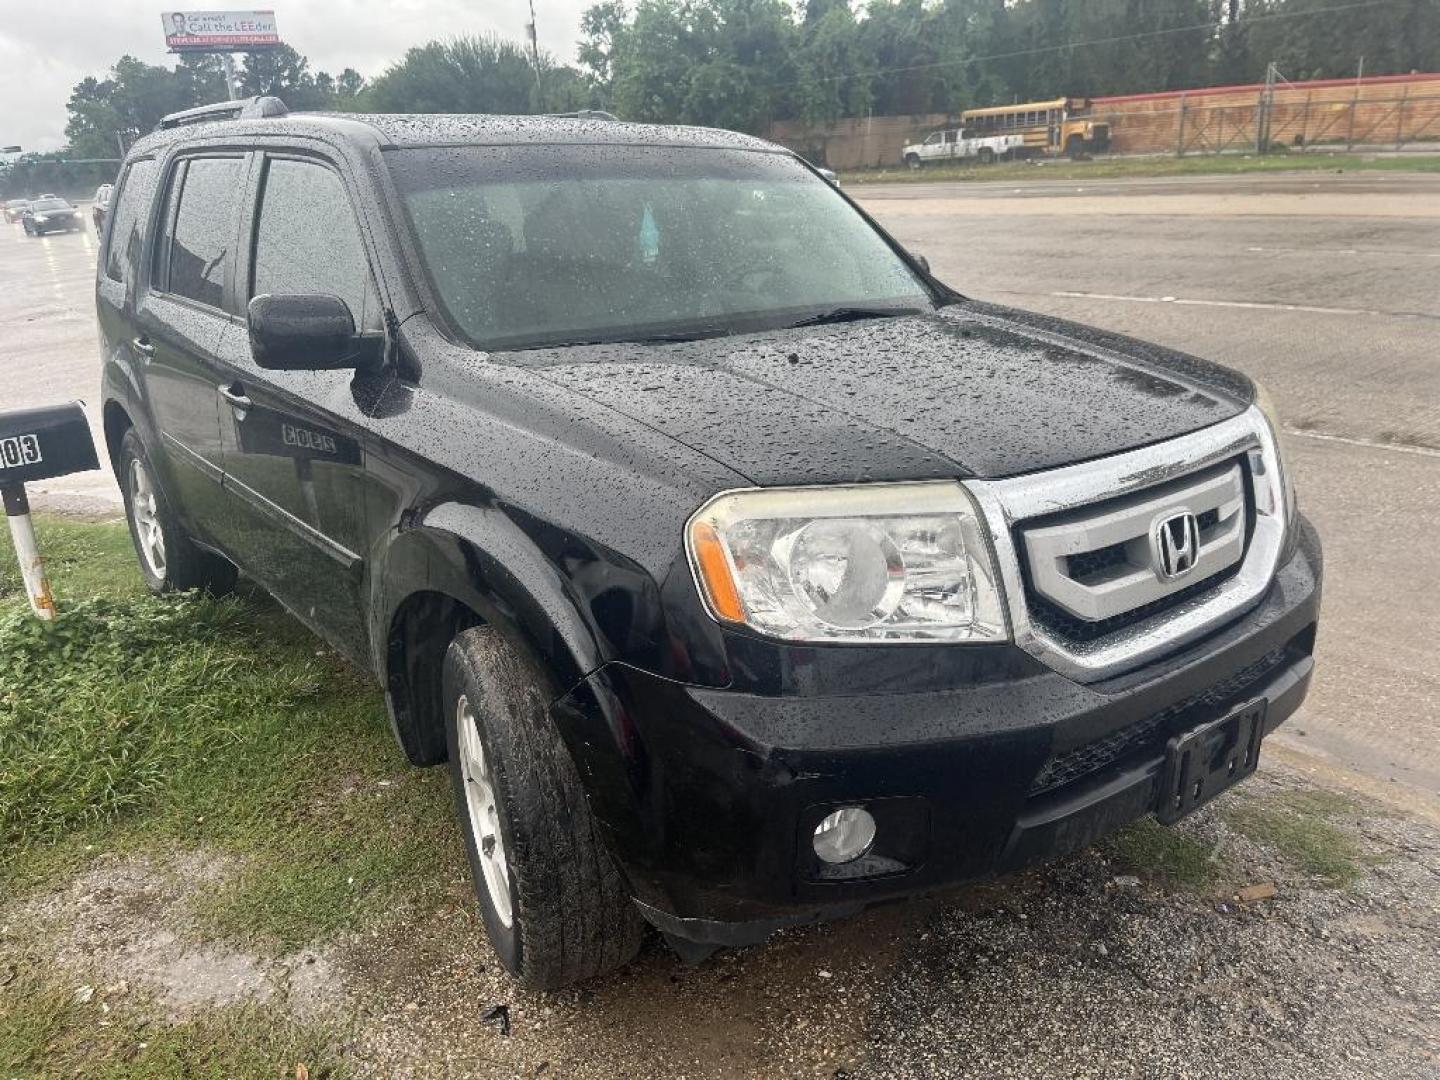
143	346
235	395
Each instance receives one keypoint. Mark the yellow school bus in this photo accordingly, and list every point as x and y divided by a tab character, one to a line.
1062	126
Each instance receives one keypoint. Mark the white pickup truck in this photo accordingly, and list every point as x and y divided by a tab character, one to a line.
954	144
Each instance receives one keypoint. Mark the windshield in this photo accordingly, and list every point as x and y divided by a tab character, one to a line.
536	245
50	204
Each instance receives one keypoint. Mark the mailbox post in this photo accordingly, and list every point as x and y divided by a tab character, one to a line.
39	444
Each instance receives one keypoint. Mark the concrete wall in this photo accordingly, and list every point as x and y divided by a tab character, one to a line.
860	143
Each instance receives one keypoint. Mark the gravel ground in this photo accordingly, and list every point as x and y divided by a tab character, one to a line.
1084	978
1089	967
1076	969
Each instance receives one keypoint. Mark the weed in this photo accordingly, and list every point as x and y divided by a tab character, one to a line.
1300	834
1110	168
1170	856
142	723
45	1031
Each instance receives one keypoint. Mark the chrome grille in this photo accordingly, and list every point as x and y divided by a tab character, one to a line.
1240	447
1101	563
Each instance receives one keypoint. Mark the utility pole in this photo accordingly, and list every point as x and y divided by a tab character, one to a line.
535	56
228	62
1355	103
1262	112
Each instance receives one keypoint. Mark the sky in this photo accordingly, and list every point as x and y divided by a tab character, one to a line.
47	46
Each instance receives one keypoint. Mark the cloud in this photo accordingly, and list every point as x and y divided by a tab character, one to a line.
48	47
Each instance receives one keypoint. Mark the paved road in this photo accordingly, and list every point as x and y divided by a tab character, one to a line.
1323	286
48	350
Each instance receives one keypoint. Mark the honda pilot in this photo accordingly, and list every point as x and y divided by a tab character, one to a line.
742	573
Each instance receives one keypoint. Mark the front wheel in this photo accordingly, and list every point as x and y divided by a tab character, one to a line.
169	559
555	908
987	156
913	161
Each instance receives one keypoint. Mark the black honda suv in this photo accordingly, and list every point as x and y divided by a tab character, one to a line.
744	574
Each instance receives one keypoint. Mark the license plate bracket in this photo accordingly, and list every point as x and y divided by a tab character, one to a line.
1206	760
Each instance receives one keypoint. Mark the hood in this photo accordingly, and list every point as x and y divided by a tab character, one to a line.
970	390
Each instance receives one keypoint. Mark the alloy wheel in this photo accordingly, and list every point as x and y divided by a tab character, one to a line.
481	800
145	517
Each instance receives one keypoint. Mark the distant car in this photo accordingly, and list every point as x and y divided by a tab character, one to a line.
828	174
102	205
956	144
14	209
50	214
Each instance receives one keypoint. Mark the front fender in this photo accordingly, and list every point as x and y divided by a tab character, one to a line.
478	556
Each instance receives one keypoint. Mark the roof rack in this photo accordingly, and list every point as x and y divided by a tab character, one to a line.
584	114
244	109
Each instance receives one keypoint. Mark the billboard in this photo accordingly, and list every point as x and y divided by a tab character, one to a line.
219	31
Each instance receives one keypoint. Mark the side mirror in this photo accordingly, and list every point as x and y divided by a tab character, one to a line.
924	262
313	332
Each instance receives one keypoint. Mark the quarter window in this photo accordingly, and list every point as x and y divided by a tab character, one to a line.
307	240
203	243
126	235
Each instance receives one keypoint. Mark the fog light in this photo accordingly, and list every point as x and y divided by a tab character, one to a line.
844	835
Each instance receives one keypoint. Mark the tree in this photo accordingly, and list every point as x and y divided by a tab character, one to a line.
832	66
483	74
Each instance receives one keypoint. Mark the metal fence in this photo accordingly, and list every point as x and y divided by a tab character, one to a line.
1388	112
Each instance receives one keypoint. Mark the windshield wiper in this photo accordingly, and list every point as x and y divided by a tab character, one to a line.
851	314
693	333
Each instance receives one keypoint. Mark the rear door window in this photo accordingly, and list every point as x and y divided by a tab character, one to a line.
201	246
126	235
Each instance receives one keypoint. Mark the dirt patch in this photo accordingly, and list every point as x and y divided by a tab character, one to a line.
123	926
793	1008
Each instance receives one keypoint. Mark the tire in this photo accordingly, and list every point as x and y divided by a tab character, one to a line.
987	156
555	908
1075	148
913	161
169	559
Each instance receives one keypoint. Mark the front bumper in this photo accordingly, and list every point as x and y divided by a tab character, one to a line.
711	801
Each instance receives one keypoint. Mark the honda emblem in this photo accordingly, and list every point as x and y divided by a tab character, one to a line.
1176	544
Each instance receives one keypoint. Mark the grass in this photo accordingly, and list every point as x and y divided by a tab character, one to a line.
1172	857
144	724
1111	168
45	1032
1299	826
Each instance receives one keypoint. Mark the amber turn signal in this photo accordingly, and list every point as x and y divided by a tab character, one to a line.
715	574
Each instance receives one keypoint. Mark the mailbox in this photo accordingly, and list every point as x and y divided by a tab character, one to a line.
39	444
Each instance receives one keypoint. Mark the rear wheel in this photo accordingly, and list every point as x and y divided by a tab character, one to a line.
554	906
169	559
987	156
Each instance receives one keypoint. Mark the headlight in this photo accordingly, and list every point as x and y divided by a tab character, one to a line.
1287	485
40	219
873	562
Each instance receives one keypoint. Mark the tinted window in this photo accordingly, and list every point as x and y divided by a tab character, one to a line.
530	245
204	239
307	240
126	235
